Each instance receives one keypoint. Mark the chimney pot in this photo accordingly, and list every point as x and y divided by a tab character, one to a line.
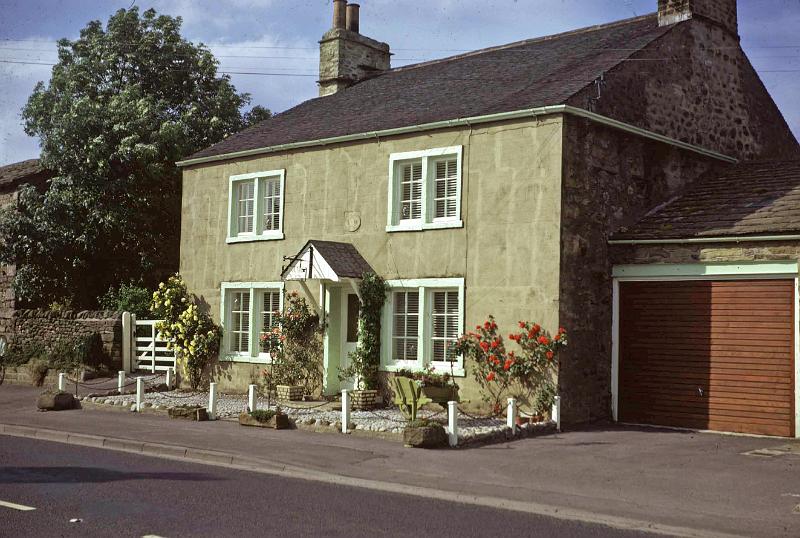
339	17
352	17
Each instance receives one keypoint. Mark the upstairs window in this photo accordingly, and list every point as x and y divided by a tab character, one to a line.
425	189
256	206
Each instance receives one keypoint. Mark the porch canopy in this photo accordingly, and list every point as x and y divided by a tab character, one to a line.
328	261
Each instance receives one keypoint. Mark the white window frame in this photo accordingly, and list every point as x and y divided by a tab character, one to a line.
427	222
425	287
255	355
258	233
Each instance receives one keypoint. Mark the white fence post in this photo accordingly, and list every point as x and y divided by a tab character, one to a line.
345	411
251	398
452	423
120	381
555	414
62	381
169	379
212	401
511	415
128	346
139	394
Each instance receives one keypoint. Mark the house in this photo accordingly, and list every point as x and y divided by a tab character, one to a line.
484	183
12	176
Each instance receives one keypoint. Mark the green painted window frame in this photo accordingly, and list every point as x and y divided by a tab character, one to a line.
255	289
428	159
259	181
425	287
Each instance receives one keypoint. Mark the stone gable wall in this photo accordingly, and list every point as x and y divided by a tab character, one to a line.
696	84
610	179
48	327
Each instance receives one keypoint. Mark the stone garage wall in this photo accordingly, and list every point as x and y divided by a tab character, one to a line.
48	327
7	302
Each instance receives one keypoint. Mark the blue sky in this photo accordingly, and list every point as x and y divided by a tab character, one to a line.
280	37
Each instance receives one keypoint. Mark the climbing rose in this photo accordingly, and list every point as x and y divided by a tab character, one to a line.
484	346
544	340
521	324
490	377
549	355
495	343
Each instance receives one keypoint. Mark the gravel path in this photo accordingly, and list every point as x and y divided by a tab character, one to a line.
316	413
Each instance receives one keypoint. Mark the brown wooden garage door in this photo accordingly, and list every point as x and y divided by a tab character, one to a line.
713	355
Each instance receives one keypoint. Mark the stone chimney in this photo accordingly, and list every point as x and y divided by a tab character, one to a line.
720	12
346	56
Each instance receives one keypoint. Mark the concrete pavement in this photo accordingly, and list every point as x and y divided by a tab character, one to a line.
676	481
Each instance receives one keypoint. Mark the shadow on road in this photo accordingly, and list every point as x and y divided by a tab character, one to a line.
76	475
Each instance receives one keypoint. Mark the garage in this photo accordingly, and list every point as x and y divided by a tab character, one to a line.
713	354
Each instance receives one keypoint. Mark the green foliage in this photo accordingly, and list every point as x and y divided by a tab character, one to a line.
189	331
19	353
123	104
131	298
37	369
428	377
256	115
364	361
295	346
263	415
69	354
529	374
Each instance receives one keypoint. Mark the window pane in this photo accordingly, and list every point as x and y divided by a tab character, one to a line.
353	308
240	322
405	326
270	308
411	191
245	204
444	314
445	189
272	204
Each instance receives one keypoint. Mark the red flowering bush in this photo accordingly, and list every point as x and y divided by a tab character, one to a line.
530	371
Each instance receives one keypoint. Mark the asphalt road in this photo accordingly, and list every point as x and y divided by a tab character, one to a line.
117	494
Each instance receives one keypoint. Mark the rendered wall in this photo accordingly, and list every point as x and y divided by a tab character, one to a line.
507	251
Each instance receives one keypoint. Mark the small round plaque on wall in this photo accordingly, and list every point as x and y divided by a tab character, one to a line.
352	221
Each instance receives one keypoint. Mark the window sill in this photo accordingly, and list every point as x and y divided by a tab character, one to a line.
422	226
458	371
262	358
267	236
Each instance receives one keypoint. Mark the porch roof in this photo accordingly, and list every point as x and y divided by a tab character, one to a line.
326	260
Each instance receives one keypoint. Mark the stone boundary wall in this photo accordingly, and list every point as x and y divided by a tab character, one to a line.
20	375
48	327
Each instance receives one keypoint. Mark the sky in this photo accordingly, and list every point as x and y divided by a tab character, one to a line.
280	37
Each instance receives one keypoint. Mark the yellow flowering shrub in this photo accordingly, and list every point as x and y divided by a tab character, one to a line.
189	331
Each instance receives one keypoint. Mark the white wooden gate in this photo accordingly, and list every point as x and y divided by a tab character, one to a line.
151	350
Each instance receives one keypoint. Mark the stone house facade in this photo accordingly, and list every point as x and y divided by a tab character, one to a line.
486	183
12	176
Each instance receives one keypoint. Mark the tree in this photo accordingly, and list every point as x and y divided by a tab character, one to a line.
123	104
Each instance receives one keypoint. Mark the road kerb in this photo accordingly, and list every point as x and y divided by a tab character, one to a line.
222	459
156	449
85	440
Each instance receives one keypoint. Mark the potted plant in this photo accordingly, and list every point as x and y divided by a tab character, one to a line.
265	418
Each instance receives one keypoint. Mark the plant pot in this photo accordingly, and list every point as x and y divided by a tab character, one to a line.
292	393
441	395
278	421
365	399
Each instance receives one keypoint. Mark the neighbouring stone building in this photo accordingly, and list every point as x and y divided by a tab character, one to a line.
485	183
12	176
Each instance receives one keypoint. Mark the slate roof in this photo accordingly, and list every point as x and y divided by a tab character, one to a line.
343	258
15	174
755	198
527	74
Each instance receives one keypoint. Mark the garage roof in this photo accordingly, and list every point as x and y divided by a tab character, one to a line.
755	198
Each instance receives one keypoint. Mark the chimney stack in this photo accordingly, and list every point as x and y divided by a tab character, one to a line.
339	17
352	17
345	56
722	13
